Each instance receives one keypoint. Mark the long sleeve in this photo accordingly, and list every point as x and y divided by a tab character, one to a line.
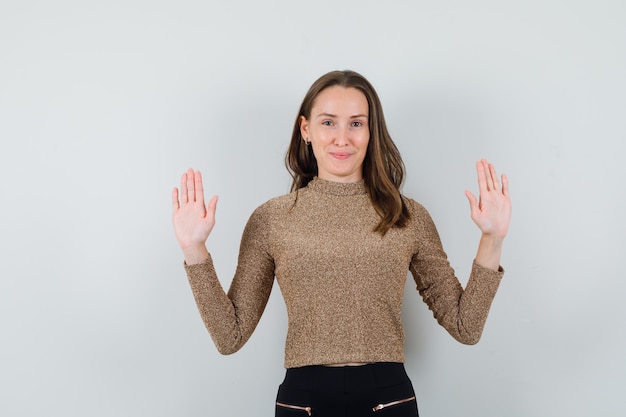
461	312
231	317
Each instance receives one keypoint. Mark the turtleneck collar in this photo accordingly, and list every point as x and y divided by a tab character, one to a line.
337	188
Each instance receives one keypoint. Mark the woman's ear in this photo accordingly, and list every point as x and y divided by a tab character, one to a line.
304	129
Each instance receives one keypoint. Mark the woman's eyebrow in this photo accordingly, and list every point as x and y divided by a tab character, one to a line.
356	116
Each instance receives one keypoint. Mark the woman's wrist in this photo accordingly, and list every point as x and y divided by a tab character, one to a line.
489	251
195	254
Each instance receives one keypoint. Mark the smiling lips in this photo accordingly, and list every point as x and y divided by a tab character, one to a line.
340	155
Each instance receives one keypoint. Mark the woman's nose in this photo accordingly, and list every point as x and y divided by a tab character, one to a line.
342	136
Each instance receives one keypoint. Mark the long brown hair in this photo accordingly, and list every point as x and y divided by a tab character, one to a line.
383	169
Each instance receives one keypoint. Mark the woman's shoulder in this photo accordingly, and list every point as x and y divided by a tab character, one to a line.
265	216
421	224
275	205
414	206
420	217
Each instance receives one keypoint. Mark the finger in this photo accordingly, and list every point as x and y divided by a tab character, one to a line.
191	192
482	179
183	189
211	208
198	187
505	185
488	176
473	202
494	177
175	204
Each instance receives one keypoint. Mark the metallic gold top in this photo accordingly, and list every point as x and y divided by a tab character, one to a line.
342	283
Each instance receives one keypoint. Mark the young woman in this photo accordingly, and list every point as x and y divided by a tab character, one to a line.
340	245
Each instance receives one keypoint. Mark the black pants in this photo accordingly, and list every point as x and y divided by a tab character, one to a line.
375	390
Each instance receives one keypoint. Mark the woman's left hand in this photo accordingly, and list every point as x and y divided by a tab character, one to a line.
492	211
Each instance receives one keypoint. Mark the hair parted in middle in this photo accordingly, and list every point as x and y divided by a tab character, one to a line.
383	169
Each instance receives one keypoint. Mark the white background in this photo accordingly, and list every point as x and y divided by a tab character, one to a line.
104	104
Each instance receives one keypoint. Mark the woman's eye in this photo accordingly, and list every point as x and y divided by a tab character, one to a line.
327	123
357	124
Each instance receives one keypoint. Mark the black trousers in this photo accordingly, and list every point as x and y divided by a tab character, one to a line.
374	390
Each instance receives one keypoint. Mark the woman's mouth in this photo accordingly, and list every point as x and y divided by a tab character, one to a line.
340	155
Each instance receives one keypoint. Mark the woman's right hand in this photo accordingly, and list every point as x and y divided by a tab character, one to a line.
193	221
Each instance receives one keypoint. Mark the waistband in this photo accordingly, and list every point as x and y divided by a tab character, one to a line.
347	378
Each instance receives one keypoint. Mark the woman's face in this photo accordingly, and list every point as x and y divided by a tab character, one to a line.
338	130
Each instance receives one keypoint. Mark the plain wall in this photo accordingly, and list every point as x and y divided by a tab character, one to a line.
103	105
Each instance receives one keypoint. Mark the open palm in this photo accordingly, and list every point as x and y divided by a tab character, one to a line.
492	210
193	221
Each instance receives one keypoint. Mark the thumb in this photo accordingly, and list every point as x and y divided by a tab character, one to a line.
473	202
211	208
